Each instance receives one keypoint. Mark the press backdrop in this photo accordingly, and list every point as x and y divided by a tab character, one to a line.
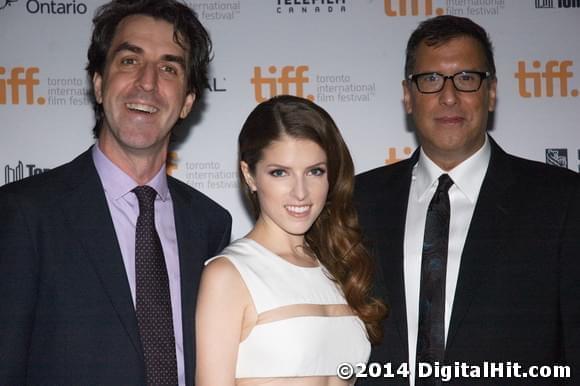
347	55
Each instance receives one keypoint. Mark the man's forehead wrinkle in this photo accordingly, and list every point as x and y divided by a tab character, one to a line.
127	46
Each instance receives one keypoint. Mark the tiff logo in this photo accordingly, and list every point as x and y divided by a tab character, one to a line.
12	174
557	157
15	82
172	162
279	85
424	9
393	157
552	70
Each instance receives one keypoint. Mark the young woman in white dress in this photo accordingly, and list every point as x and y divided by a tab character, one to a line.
290	302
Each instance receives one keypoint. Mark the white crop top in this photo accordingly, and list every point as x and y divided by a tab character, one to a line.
292	343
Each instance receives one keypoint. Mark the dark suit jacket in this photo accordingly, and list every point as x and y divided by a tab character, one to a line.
66	313
518	291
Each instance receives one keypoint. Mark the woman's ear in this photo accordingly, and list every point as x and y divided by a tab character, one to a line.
248	178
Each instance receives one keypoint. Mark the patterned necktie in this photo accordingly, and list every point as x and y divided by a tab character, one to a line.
431	334
153	306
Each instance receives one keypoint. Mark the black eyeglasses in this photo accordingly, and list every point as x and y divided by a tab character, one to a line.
464	81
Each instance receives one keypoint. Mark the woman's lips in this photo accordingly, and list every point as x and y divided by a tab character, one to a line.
298	210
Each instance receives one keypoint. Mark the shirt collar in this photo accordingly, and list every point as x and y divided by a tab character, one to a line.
467	176
117	183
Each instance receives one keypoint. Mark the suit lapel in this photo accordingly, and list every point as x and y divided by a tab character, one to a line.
192	252
86	210
484	238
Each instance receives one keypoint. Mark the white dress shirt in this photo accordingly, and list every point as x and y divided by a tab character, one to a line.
467	179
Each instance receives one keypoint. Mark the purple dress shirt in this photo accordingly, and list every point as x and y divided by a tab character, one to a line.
124	209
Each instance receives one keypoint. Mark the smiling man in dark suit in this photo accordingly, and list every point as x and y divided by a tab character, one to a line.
479	250
100	258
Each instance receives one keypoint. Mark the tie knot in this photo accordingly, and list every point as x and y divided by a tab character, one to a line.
445	183
146	196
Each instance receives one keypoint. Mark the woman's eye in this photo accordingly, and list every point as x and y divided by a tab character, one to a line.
278	173
317	172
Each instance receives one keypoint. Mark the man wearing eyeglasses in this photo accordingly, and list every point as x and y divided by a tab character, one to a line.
478	250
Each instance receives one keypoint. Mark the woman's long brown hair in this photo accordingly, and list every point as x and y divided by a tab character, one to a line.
335	237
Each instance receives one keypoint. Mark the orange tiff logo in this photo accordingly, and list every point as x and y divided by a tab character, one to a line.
279	83
551	71
425	8
20	78
171	163
393	157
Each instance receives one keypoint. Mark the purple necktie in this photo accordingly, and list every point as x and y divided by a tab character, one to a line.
431	334
153	306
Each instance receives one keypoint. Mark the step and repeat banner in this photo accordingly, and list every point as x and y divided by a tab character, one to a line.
346	55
